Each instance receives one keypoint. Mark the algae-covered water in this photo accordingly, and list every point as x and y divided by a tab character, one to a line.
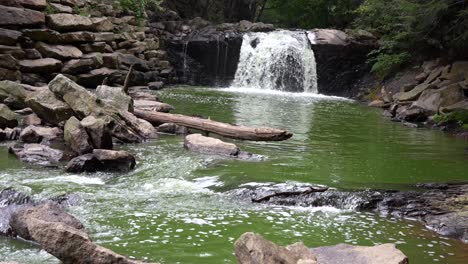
171	208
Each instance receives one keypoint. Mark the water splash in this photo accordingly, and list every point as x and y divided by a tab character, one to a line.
280	60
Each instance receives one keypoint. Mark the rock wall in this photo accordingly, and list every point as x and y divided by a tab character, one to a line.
86	40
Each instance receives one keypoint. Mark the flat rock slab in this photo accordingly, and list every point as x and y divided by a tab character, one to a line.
44	66
60	52
345	254
19	17
36	154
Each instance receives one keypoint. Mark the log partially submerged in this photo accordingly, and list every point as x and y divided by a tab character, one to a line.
219	128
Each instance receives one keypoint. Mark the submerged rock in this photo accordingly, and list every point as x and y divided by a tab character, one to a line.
342	253
171	128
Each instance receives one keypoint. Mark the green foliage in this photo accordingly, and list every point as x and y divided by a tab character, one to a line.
138	7
50	10
460	117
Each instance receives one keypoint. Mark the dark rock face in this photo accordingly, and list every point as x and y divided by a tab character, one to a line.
341	61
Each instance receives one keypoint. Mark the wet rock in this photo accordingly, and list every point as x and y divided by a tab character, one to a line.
19	17
115	96
124	125
84	163
49	212
36	134
98	132
156	85
44	66
59	52
36	154
76	137
48	107
342	253
8	118
171	128
251	248
112	160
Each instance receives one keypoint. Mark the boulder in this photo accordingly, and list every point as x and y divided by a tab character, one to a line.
11	75
81	65
432	100
98	131
44	66
251	248
415	92
59	52
10	133
72	245
37	134
19	17
8	118
69	22
50	212
411	114
156	85
36	154
48	107
32	120
15	92
76	137
342	253
124	125
116	97
32	4
9	37
61	8
96	77
112	160
206	145
51	36
84	163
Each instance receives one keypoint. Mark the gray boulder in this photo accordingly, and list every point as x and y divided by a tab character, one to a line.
342	253
251	248
76	137
116	97
36	154
48	107
14	93
59	52
415	92
98	131
44	66
20	17
36	134
207	145
8	118
102	160
49	212
69	22
9	37
432	100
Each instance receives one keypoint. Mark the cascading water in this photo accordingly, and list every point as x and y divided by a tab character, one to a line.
280	60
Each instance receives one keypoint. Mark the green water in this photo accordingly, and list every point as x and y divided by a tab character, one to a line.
171	208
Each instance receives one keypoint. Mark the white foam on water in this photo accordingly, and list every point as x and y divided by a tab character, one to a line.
81	180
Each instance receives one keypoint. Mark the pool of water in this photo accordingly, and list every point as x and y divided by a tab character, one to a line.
172	209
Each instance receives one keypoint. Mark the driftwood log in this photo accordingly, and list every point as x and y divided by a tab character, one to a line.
219	128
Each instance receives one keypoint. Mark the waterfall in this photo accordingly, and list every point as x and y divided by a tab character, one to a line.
279	60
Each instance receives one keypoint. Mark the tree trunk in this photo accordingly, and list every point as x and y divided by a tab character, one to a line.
222	129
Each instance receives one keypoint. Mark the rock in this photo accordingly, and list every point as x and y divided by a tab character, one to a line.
378	104
115	96
171	128
432	100
95	77
342	253
69	22
251	248
102	24
15	92
11	75
81	65
415	92
51	36
44	66
59	52
156	85
411	114
98	132
112	160
19	17
48	107
262	27
9	37
458	71
421	77
10	133
84	163
125	126
32	54
49	212
76	137
71	245
36	154
206	145
153	106
32	4
61	8
457	106
36	134
32	120
8	118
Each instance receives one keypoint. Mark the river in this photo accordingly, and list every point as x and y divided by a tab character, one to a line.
172	208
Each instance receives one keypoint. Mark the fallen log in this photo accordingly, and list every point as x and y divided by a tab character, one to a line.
219	128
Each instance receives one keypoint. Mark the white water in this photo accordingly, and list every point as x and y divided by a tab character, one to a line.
280	60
